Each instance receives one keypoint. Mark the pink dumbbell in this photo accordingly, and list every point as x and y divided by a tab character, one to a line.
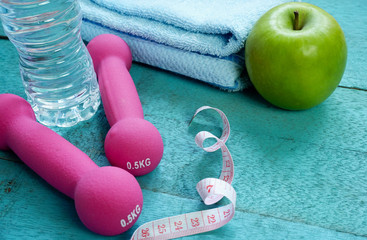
108	199
132	143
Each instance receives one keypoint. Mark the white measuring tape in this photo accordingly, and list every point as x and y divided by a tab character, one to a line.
211	191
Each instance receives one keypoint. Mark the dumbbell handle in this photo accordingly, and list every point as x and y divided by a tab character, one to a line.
52	157
119	96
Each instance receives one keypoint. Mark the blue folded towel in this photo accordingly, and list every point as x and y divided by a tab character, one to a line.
201	39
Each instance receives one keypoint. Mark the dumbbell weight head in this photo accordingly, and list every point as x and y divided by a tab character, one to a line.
108	200
132	144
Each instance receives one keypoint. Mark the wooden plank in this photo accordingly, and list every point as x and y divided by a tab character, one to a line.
31	209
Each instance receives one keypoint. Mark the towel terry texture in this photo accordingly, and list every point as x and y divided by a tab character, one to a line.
201	39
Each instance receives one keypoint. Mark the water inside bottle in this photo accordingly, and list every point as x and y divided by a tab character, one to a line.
55	65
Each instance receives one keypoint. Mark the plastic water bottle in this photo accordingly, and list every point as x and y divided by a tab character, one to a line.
56	68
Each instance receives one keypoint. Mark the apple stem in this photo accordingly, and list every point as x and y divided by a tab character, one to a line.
296	21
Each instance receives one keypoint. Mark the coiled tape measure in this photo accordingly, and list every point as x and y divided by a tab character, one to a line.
211	190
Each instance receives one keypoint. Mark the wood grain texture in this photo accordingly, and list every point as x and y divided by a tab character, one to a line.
301	169
31	209
299	175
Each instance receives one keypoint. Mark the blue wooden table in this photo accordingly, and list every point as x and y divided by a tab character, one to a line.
298	174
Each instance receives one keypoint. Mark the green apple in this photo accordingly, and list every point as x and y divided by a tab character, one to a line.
296	55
